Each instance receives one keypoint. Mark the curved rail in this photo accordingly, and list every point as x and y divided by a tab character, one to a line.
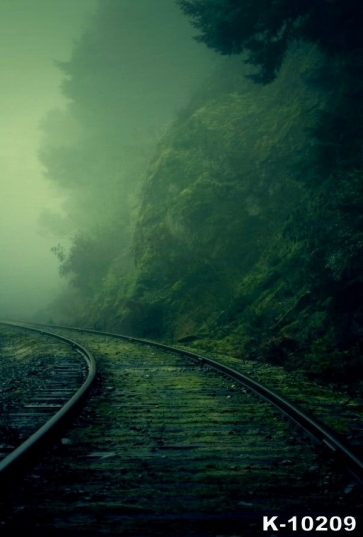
316	429
18	458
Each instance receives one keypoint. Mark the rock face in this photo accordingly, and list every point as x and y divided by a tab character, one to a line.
222	183
249	236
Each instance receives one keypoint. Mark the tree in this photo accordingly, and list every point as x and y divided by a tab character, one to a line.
88	259
263	29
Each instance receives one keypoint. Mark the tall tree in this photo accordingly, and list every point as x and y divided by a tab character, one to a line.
264	28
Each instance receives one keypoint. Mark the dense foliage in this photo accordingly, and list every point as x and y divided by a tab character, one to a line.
265	28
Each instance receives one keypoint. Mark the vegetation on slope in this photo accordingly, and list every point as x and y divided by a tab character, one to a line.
249	237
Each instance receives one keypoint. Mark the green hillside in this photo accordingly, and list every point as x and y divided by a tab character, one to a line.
248	234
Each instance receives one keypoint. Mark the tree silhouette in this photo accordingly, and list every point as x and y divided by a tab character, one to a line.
263	29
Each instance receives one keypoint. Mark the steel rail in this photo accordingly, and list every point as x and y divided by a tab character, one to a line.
317	430
25	453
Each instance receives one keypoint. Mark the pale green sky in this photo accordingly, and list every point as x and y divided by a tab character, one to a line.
33	33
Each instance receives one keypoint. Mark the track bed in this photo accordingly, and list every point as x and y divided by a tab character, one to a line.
168	447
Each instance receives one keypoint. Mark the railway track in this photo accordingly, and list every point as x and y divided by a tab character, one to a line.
166	446
37	414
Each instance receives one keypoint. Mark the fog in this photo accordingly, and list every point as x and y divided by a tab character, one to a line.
46	105
32	35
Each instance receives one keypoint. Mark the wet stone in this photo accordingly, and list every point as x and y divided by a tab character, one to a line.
102	454
67	442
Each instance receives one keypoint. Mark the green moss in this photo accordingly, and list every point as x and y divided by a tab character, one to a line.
243	242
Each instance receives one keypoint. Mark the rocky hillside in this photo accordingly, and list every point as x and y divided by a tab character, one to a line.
249	237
